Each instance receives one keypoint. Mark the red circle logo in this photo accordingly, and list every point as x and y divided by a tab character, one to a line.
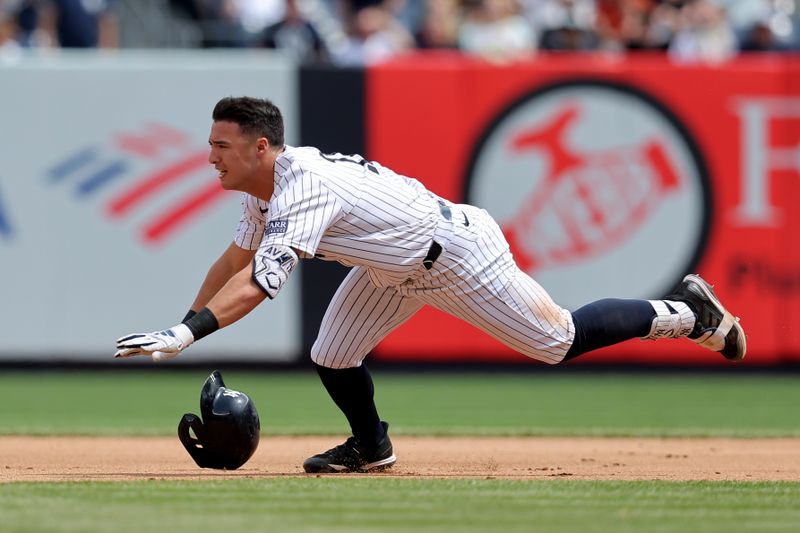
599	189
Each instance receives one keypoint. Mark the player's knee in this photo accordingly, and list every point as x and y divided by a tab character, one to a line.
552	354
328	359
317	356
547	357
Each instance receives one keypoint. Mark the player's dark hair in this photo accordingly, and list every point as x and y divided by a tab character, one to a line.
255	116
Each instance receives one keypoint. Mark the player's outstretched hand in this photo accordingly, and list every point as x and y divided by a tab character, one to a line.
160	345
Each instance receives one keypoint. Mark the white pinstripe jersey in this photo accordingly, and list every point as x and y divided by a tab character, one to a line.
345	209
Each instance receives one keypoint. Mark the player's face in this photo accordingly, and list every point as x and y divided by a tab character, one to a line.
234	156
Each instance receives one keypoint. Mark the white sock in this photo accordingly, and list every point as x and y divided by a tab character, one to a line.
673	319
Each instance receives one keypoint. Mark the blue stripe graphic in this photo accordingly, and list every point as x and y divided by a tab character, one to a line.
72	164
102	177
5	223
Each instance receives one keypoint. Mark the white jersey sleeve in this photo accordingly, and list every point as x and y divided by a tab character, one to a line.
301	210
250	230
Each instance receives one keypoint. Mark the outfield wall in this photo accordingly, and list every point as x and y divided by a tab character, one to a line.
612	178
111	213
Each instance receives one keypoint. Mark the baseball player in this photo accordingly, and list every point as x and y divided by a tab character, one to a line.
407	248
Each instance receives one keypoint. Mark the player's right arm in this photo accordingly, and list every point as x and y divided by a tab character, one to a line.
236	258
238	255
232	260
162	345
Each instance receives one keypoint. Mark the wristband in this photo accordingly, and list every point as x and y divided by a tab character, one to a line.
189	315
202	323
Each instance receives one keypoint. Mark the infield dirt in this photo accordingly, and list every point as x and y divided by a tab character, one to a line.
132	458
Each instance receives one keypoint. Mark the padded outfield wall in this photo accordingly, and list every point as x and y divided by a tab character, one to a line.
610	178
614	178
112	214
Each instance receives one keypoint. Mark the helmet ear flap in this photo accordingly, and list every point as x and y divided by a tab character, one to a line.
195	445
210	387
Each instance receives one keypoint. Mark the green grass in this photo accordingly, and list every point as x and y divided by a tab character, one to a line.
541	403
389	504
136	403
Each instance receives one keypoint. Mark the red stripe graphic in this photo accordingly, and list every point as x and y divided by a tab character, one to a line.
181	212
151	184
152	142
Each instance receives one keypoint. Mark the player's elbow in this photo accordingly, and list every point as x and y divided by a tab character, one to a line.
271	268
254	294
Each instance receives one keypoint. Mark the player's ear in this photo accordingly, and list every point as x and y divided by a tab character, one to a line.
262	145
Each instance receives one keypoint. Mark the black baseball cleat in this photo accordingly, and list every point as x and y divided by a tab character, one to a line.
353	457
714	328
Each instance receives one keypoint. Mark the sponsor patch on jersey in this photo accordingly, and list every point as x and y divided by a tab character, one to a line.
276	227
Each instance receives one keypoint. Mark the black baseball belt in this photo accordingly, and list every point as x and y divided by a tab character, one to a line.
433	254
436	249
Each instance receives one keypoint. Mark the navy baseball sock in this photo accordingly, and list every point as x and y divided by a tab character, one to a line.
609	321
353	392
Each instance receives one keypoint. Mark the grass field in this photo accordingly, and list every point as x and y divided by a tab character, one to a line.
376	504
133	403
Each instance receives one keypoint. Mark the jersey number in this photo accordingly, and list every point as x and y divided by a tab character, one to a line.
355	159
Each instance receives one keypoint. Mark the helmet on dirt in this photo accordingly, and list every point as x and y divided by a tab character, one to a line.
228	434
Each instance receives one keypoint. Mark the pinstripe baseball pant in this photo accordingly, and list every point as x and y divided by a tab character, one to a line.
475	279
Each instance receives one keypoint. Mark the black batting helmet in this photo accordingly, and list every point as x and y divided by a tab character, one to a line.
228	434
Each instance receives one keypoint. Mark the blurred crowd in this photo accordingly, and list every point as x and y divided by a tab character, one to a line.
358	32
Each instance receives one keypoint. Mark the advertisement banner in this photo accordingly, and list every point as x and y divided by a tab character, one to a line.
610	178
110	214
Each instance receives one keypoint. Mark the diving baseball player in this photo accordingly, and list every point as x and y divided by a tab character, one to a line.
408	248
